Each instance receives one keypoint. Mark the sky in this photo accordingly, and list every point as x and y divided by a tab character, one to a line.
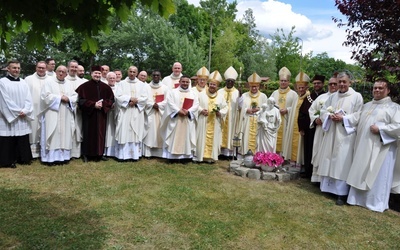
312	18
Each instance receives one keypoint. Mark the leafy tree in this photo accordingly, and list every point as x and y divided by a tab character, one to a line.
148	42
265	60
249	22
192	21
373	31
254	51
287	50
219	11
49	18
259	58
67	49
145	40
322	64
28	58
225	49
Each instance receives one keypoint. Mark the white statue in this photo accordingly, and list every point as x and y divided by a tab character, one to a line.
269	120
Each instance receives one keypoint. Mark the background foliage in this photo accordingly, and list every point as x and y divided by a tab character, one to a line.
373	32
86	17
153	34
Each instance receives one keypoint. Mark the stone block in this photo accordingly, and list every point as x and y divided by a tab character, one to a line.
241	171
254	174
268	176
234	165
293	169
294	175
282	177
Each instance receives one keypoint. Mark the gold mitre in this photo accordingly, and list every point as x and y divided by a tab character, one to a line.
215	77
254	80
302	79
230	73
203	73
285	73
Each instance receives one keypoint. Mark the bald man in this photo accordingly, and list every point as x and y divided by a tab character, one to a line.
142	76
172	81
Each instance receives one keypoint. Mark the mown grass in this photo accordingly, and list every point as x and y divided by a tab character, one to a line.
153	205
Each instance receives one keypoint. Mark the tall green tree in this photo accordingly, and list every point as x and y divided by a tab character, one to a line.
287	50
254	51
192	21
224	50
218	12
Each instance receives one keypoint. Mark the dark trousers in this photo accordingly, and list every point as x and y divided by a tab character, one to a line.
15	149
308	148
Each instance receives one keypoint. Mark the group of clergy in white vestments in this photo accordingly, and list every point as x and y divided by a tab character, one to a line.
355	152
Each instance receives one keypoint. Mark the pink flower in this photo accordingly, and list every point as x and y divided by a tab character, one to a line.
268	158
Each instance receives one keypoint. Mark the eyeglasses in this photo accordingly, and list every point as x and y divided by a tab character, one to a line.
332	84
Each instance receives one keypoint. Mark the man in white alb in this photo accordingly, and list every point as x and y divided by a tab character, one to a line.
131	97
315	121
58	101
378	131
153	142
337	146
35	83
178	123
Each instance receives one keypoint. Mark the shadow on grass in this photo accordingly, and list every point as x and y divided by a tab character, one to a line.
314	188
30	220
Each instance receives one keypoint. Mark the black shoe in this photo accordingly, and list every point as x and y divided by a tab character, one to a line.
104	158
224	158
340	200
84	158
13	165
25	162
305	175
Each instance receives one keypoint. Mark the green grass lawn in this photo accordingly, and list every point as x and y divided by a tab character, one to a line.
153	205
